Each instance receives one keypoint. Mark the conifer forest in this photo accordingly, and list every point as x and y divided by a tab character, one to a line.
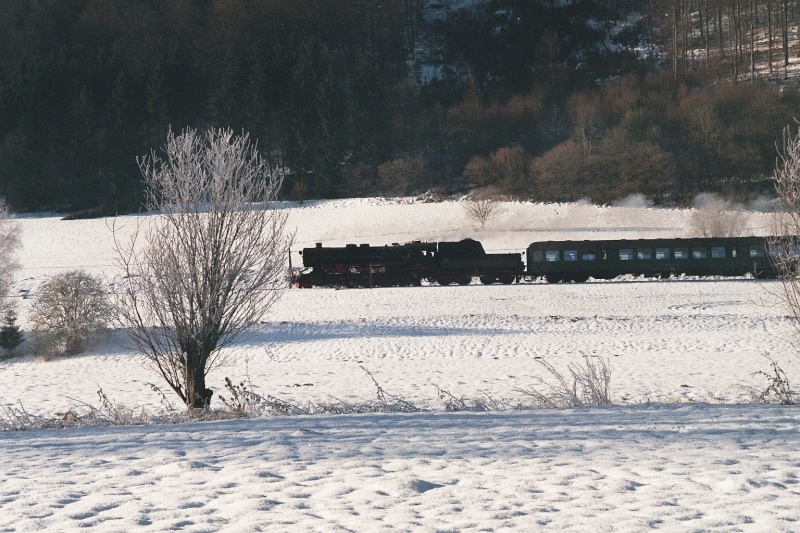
533	99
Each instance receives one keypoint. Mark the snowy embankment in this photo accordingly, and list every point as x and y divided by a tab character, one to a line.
629	469
648	463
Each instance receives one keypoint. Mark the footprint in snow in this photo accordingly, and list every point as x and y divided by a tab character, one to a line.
421	486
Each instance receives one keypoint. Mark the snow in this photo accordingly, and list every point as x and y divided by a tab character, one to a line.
683	449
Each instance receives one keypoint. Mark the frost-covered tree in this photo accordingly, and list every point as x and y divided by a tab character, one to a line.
69	310
212	261
9	245
785	242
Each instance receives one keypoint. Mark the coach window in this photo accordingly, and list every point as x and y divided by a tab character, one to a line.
625	254
699	252
756	251
774	250
662	253
717	252
551	256
644	254
537	256
681	253
588	255
733	252
570	255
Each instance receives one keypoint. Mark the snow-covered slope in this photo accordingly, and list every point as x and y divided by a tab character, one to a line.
669	457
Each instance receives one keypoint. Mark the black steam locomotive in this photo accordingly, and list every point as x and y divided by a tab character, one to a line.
406	264
459	262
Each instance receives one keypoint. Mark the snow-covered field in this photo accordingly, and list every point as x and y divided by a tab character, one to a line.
683	450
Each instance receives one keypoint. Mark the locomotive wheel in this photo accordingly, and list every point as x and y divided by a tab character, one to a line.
487	279
506	279
464	280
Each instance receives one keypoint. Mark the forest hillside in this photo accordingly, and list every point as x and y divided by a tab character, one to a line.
536	99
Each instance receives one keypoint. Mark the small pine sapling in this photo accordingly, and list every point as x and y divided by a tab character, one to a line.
11	335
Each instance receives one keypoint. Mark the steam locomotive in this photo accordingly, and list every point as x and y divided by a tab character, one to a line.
406	265
459	262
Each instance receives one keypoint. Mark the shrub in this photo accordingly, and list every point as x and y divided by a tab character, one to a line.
714	217
69	311
778	388
243	400
9	244
404	175
506	168
587	385
482	209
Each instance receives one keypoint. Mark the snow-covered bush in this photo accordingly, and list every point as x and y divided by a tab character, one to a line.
9	244
715	217
69	311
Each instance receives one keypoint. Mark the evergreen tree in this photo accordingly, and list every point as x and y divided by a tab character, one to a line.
10	334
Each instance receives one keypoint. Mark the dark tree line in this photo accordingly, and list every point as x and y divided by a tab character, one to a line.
732	39
360	97
89	85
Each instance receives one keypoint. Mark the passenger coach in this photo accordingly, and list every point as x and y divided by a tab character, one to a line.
606	259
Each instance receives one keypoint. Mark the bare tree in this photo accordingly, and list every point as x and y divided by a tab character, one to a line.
70	309
9	244
482	209
214	257
785	241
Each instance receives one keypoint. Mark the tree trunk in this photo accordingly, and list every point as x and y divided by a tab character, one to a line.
785	32
752	41
737	38
197	395
720	32
707	37
769	34
676	19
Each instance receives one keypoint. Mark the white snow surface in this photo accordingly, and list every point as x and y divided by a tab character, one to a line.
684	449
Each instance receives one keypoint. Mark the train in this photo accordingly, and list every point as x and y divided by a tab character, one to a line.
459	262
